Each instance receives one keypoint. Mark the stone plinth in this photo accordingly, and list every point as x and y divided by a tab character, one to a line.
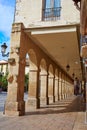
51	99
43	101
14	108
33	103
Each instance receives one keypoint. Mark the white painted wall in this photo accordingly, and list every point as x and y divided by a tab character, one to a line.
30	13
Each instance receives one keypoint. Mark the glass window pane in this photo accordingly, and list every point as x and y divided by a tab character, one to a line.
52	9
56	3
56	8
48	3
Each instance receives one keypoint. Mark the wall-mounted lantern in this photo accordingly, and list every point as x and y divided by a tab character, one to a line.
3	50
67	67
73	75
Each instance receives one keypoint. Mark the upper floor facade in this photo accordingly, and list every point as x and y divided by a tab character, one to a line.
40	13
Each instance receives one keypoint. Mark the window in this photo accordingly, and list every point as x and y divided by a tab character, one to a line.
52	10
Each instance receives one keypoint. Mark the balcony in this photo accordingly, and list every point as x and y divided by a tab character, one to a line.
50	14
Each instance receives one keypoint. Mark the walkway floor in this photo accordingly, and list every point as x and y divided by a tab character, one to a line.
67	114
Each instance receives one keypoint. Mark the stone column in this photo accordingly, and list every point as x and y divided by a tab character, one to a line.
47	90
50	88
65	89
15	104
34	89
60	88
62	85
67	94
56	89
43	88
65	86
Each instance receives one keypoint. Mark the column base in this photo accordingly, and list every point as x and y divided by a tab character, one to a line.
43	101
56	98
51	99
14	108
63	97
33	103
60	97
66	95
47	103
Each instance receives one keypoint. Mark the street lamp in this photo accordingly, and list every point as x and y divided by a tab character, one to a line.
3	50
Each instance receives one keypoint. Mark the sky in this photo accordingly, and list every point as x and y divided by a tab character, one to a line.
7	8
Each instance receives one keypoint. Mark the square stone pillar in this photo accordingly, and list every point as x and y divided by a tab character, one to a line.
63	89
43	89
56	89
15	104
60	89
50	89
33	97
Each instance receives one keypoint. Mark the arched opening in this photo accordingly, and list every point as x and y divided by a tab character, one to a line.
32	85
43	82
32	70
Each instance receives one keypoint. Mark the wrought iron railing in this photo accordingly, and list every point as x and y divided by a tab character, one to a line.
51	13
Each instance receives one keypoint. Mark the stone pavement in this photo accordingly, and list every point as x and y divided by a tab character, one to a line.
67	114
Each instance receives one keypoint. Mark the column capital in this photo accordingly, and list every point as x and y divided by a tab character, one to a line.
33	70
43	74
17	27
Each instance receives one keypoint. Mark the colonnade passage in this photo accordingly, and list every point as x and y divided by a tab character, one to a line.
48	82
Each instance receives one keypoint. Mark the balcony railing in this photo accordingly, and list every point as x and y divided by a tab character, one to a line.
51	13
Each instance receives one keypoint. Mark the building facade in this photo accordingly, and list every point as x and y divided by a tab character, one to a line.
48	32
3	67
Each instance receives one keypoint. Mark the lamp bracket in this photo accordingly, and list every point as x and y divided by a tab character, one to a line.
5	55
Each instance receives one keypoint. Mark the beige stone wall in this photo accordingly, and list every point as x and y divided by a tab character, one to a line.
69	12
30	13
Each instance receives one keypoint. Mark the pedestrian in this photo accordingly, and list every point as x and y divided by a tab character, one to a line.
76	86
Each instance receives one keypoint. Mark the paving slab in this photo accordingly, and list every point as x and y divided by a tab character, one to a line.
67	114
